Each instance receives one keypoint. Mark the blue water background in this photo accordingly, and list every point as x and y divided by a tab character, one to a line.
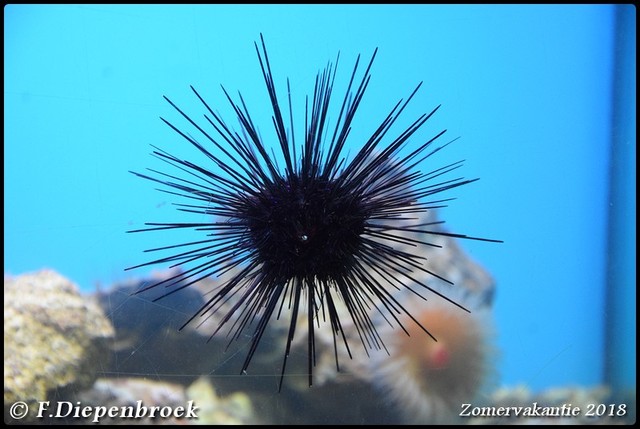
527	88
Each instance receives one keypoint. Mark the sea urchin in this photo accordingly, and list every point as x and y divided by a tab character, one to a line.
318	229
426	381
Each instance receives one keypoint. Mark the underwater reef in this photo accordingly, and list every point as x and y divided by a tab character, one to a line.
115	348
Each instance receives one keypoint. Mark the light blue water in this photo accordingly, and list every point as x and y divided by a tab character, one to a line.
528	89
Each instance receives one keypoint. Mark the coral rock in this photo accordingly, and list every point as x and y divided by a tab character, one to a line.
54	338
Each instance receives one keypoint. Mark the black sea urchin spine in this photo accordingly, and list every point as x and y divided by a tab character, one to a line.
313	231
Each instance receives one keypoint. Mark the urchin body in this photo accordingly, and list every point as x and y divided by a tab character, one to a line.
308	228
316	230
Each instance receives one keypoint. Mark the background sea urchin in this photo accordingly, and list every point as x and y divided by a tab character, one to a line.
314	231
427	381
